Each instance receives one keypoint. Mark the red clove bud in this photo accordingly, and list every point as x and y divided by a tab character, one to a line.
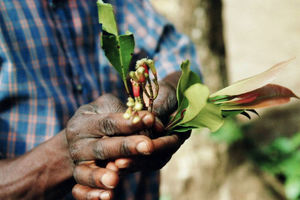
135	88
133	76
142	63
145	66
150	64
140	74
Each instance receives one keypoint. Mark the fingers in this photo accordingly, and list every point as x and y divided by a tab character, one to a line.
115	124
109	124
112	166
95	182
111	147
166	102
93	176
167	143
164	148
123	163
81	192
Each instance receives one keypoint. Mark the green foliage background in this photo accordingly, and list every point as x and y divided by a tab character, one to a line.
281	157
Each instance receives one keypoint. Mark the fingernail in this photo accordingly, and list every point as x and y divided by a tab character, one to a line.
107	180
148	120
105	196
122	163
112	166
143	147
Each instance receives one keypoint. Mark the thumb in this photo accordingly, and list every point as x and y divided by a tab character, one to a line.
166	102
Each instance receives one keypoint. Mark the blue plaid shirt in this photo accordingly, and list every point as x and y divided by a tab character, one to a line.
51	63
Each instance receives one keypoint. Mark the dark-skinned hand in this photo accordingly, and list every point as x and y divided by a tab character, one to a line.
103	144
164	106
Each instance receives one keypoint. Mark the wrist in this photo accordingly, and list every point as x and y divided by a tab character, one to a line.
42	171
55	165
57	151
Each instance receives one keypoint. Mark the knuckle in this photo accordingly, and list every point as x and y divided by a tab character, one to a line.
92	178
83	109
99	150
86	107
125	149
109	100
76	173
108	97
74	151
115	105
73	129
107	125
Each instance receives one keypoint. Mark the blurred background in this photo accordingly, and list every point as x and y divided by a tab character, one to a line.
247	159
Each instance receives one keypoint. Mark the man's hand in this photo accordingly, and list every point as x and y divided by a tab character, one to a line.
97	134
115	145
164	145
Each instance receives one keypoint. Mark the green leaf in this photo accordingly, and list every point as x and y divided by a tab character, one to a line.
107	17
230	132
290	166
165	197
126	49
119	50
283	145
110	46
219	99
231	113
296	140
292	188
192	96
180	110
253	82
197	97
181	129
187	79
210	116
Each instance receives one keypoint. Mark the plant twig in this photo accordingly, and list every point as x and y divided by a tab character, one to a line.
150	108
177	120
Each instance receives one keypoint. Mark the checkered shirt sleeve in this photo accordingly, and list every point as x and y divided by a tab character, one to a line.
51	63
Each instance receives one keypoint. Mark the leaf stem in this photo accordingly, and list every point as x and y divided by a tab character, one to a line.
169	126
156	88
150	108
141	95
145	90
126	87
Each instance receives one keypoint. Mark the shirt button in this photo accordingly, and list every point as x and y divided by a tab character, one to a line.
52	4
79	88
